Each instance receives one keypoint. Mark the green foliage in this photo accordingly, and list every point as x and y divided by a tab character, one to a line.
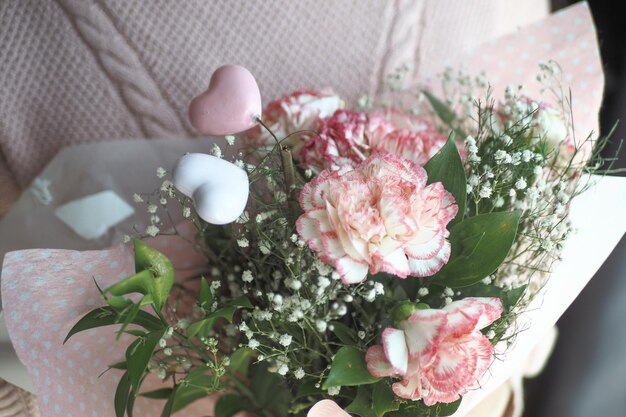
479	245
122	394
138	355
345	334
446	167
106	316
154	276
447	116
418	409
227	312
348	369
383	399
230	404
362	404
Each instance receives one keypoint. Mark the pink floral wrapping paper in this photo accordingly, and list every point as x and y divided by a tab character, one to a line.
44	292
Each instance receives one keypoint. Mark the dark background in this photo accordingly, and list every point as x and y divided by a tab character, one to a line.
586	376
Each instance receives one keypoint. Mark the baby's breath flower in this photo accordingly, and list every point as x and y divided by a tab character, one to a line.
321	326
334	391
230	139
485	191
186	212
520	184
243	242
253	344
152	230
160	172
283	369
265	247
216	151
422	292
285	340
247	276
137	198
299	373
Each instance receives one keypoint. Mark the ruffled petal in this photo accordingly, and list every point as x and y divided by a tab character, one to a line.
377	364
396	350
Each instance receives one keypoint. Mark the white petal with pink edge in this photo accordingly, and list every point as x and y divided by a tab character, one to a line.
429	267
396	351
377	363
421	330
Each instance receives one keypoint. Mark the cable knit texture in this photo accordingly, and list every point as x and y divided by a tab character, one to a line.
15	402
77	71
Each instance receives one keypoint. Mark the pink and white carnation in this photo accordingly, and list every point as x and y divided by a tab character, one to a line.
438	354
292	113
348	138
379	216
415	138
342	139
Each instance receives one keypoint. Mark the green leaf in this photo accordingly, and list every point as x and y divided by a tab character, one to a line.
168	409
444	112
192	390
511	297
383	399
349	369
130	405
243	302
208	322
206	296
122	392
158	394
446	167
271	394
418	409
227	312
240	362
345	334
230	404
308	389
472	258
106	316
138	355
362	404
154	276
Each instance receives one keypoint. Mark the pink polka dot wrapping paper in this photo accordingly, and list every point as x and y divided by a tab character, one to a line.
567	37
45	292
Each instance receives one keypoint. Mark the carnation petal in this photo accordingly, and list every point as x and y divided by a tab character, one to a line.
377	363
429	267
428	249
472	314
395	263
352	272
396	350
422	331
408	388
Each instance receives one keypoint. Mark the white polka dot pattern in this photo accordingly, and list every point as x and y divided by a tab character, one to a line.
567	37
45	292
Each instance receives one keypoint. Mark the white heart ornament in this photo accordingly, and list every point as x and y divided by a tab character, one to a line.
218	188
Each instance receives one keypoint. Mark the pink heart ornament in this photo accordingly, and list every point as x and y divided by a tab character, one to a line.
229	105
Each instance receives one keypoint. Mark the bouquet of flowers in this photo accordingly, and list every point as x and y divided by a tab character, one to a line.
371	260
366	256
